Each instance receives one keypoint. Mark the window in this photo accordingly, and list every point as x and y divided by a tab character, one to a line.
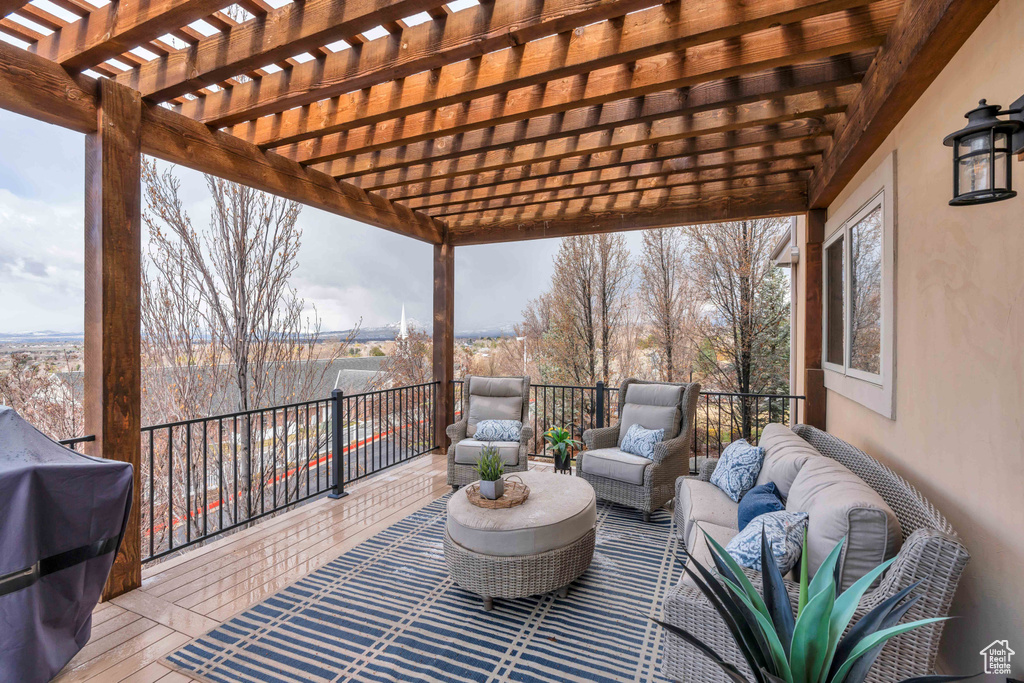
859	271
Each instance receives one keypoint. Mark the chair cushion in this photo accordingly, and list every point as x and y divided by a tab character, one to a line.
498	430
494	398
841	505
611	463
652	406
467	451
701	501
756	502
738	468
560	510
697	546
640	441
784	531
784	454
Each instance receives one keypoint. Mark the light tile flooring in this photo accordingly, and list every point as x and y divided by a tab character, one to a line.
187	595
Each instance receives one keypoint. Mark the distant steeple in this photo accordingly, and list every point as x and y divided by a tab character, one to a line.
403	331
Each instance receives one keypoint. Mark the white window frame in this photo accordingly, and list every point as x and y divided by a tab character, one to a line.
876	392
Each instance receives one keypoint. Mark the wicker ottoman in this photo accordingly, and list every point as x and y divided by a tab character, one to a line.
540	546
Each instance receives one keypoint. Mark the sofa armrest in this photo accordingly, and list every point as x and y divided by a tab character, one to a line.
457	432
706	468
673	448
604	437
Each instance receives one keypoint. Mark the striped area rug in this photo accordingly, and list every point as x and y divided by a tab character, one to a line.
388	611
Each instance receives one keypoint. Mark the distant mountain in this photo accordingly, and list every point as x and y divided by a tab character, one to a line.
41	337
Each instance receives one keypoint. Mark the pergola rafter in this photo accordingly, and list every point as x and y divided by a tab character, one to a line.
508	120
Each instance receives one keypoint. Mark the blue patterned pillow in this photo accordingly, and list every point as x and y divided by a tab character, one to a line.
784	531
640	441
498	430
738	468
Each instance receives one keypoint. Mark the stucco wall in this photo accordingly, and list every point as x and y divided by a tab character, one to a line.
959	428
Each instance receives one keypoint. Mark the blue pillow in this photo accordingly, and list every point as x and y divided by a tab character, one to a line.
640	441
784	532
498	430
759	500
738	468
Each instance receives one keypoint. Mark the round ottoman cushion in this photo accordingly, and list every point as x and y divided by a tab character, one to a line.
560	510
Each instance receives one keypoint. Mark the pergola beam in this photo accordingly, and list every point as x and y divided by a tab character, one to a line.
118	27
734	92
798	136
285	32
780	200
925	36
39	88
470	33
758	114
533	80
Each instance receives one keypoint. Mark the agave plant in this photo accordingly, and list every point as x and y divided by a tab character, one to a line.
808	647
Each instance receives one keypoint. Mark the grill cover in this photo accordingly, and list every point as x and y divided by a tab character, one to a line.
56	508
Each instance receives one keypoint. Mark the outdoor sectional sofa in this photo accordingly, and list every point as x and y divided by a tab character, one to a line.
926	548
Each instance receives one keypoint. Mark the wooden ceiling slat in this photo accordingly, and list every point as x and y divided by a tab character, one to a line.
8	6
779	200
823	74
792	170
431	108
287	31
118	27
79	8
41	17
682	152
925	37
19	31
470	33
811	105
646	172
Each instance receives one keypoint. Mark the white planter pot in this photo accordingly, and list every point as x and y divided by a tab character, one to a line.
492	490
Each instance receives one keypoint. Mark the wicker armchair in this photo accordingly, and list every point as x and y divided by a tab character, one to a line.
495	398
630	480
931	553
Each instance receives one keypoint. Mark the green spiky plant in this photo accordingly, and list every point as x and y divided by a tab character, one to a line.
490	466
562	445
809	647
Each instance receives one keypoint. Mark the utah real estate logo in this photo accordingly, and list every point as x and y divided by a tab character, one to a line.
997	657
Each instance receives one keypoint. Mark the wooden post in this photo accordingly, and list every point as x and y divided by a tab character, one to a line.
113	252
814	376
444	340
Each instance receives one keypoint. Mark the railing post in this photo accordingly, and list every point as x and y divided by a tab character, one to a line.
599	410
337	479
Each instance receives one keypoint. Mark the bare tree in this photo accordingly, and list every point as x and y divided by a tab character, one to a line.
668	300
42	392
744	330
574	325
614	279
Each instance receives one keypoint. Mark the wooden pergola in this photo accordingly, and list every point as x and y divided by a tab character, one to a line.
506	120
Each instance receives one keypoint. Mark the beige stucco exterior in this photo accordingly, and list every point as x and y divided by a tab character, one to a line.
959	428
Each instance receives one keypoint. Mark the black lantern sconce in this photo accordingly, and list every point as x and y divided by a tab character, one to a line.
983	152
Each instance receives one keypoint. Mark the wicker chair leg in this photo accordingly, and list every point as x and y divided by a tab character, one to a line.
563	592
455	487
647	516
488	604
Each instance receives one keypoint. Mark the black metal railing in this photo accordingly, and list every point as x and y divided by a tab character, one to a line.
73	443
721	417
205	476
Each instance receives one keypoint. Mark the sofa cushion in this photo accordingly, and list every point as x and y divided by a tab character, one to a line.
467	451
738	468
701	501
560	510
840	505
697	545
784	532
612	463
757	501
494	398
652	406
784	454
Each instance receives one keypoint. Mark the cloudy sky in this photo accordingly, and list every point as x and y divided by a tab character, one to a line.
346	269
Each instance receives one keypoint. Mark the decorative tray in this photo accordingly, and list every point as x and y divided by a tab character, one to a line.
516	493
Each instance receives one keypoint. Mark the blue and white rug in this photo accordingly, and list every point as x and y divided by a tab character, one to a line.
388	611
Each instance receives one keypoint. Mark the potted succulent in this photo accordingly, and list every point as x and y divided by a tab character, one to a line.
780	647
490	467
562	445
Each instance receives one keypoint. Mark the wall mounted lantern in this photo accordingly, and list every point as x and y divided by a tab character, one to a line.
983	151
